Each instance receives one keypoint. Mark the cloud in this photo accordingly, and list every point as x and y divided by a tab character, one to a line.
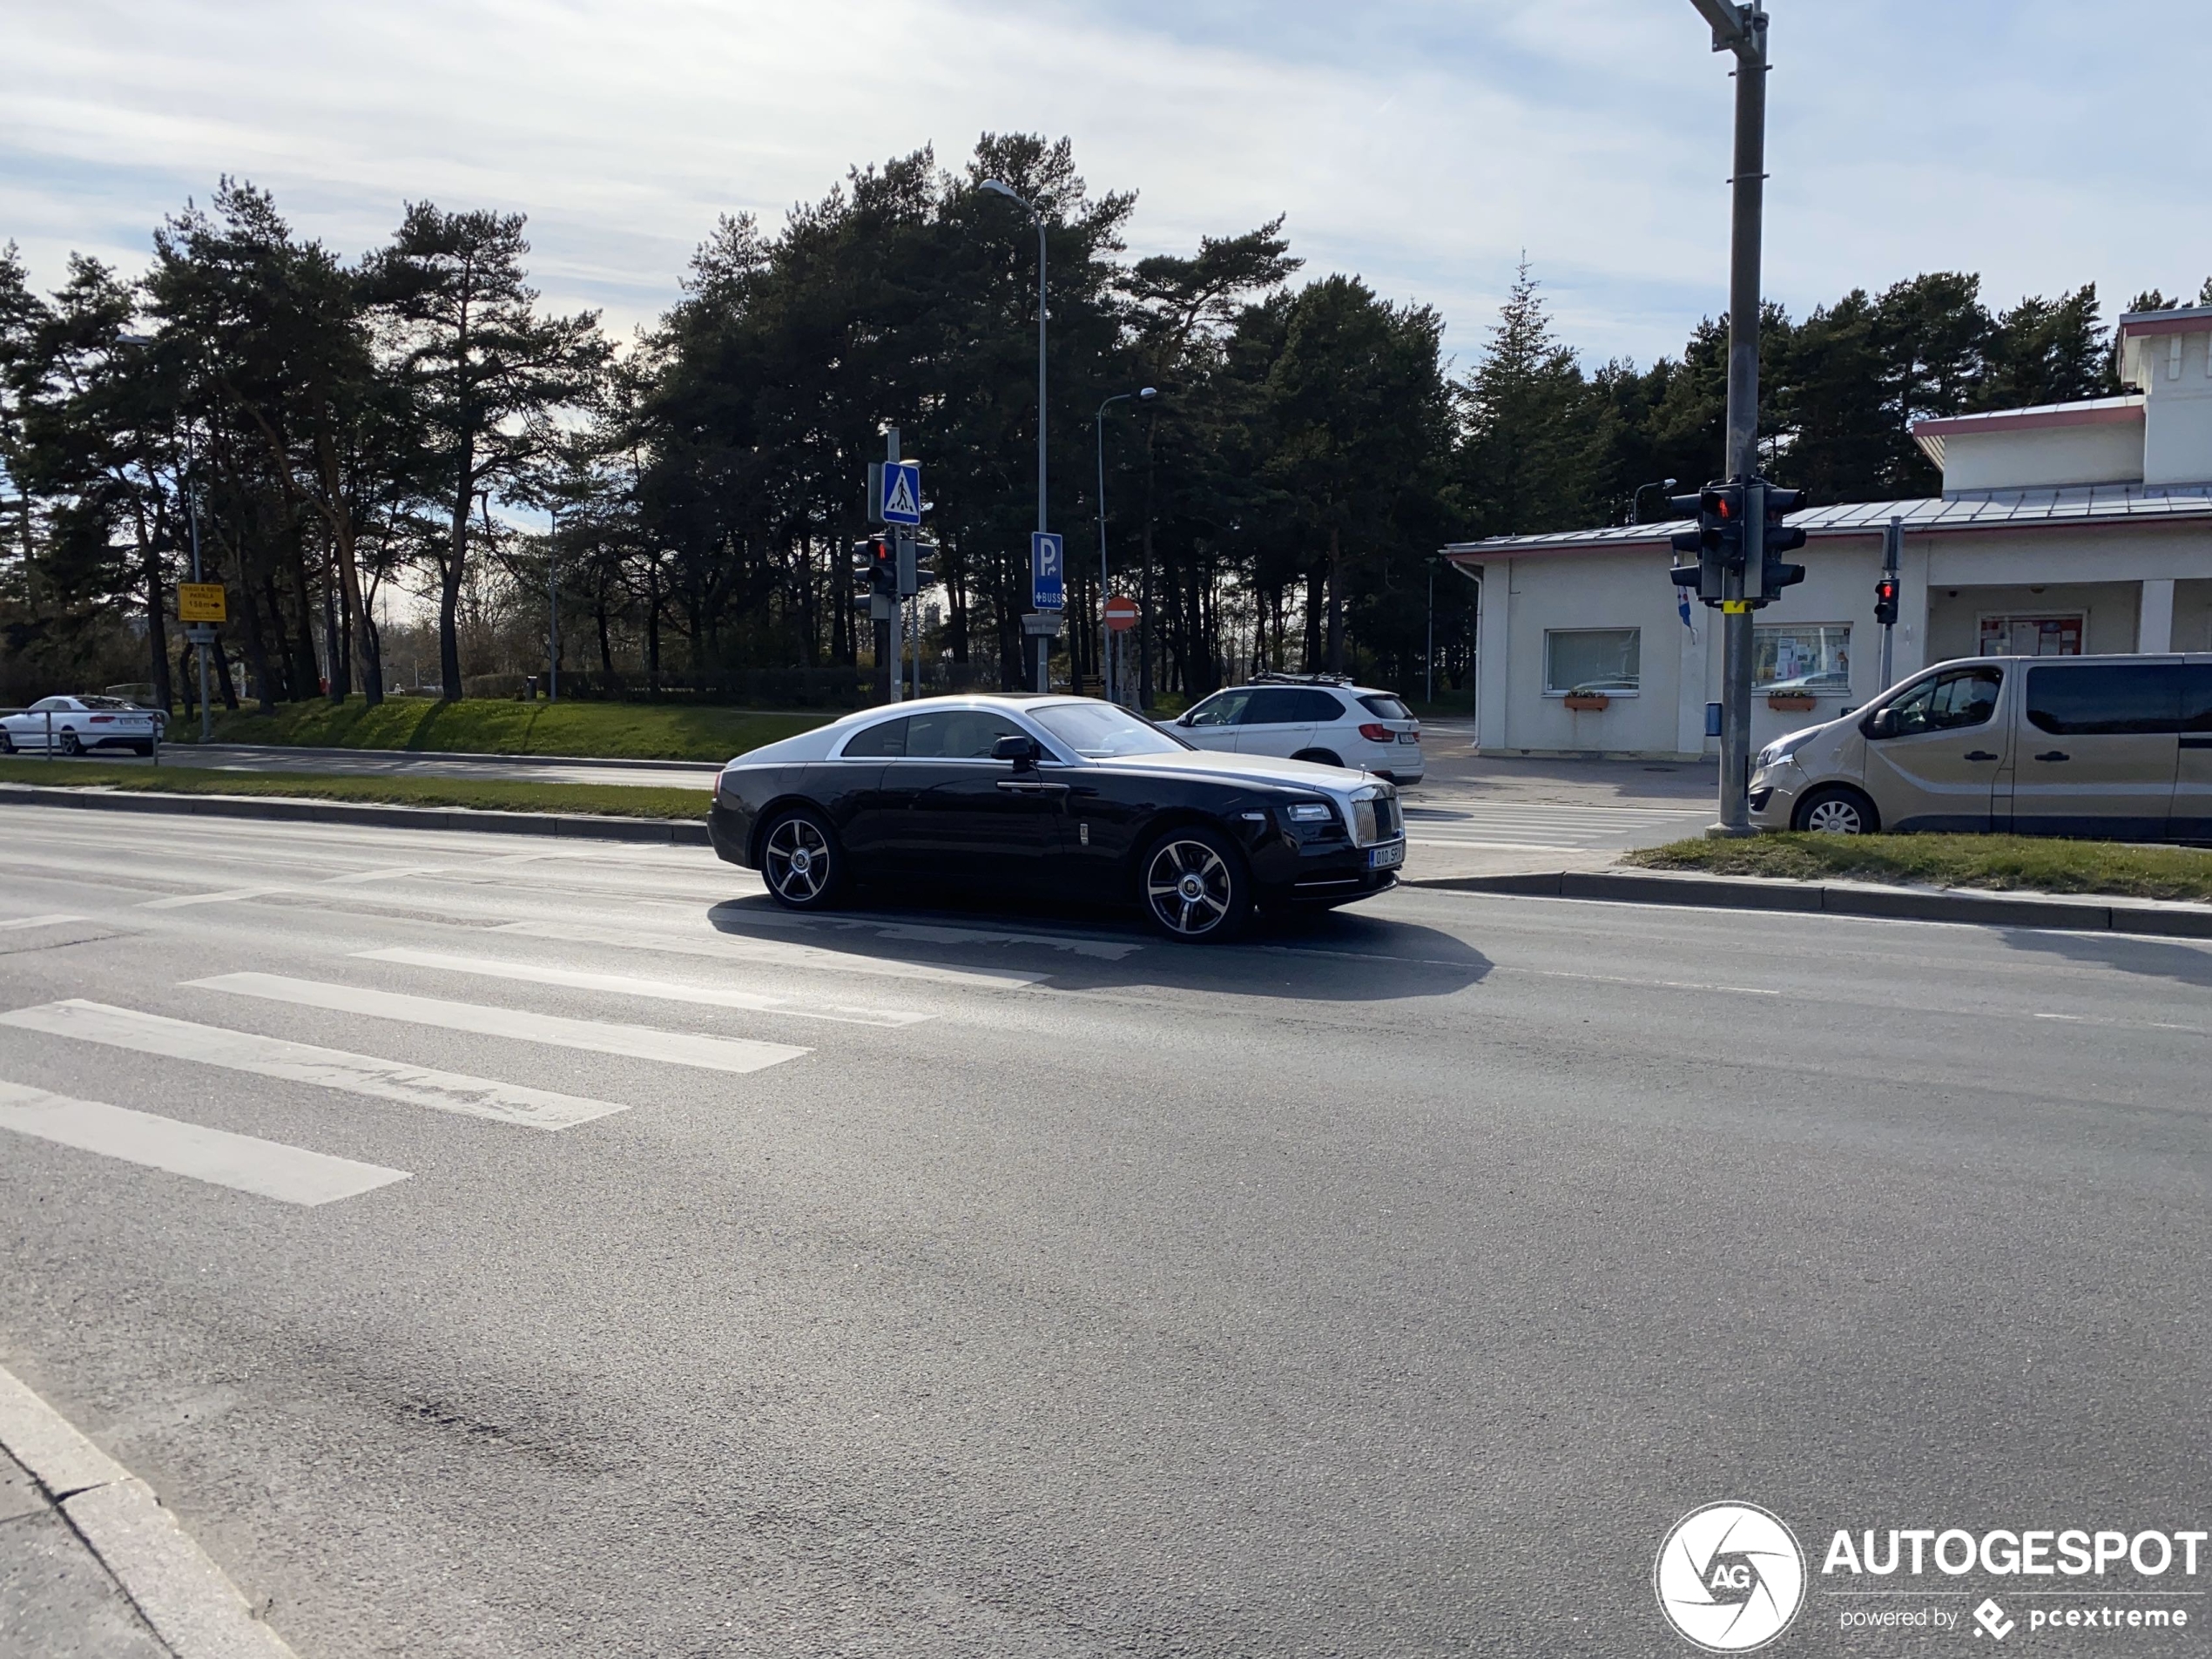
1423	143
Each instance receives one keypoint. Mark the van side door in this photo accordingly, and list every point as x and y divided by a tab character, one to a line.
2098	746
1937	768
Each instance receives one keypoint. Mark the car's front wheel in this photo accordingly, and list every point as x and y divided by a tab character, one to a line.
1196	889
7	743
71	744
801	861
1836	810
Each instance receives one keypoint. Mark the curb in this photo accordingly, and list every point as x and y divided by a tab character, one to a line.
615	762
673	832
1905	904
190	1601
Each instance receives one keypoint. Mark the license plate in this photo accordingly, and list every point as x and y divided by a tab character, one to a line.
1409	737
1384	858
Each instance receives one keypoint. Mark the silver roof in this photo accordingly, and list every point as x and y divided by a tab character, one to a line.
1971	509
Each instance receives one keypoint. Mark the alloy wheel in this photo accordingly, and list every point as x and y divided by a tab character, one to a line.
1835	818
1189	887
796	862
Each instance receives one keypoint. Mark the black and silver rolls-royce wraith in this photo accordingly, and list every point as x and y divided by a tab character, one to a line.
1053	800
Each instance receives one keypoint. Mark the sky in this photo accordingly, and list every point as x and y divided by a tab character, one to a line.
1428	147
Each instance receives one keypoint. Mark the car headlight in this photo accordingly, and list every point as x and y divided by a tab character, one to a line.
1782	748
1308	812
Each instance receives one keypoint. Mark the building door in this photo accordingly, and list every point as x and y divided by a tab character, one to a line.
2098	745
1938	768
2191	817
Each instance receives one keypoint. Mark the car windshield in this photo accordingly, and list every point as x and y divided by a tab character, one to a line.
106	703
1099	730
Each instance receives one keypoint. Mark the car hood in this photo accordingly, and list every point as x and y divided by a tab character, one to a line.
1255	769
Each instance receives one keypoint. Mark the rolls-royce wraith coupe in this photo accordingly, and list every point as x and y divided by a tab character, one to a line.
1048	800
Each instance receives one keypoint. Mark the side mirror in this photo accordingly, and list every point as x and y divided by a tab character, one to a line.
1185	719
1021	751
1880	724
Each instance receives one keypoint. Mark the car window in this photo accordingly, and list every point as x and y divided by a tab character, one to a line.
2197	696
884	738
1096	731
957	734
1277	705
1221	709
2106	699
1959	697
1322	708
1386	708
103	703
56	703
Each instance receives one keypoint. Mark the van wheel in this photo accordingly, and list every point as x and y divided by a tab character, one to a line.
1319	757
1836	809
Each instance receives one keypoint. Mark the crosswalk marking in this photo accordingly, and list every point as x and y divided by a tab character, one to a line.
626	985
245	1162
355	1073
16	922
634	1041
739	948
180	900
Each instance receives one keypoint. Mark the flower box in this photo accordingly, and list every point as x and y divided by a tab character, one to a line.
1791	703
1592	701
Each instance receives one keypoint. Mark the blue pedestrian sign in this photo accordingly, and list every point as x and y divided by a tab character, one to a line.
902	492
1047	574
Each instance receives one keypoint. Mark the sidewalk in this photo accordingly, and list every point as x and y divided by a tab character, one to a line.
92	1567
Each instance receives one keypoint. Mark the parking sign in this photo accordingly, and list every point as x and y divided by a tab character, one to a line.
1047	575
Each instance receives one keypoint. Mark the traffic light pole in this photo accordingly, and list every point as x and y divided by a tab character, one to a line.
1892	548
1742	31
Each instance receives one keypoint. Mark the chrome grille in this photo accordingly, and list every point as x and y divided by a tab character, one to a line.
1376	819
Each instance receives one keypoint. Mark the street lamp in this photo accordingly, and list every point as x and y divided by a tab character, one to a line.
1000	188
1143	394
1636	502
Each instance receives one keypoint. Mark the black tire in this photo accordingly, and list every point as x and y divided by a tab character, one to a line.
145	749
802	861
1836	809
71	744
7	743
1194	887
1319	757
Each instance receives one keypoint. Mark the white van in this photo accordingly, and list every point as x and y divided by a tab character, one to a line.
2113	748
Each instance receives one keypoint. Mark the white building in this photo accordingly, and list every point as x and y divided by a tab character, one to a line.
2071	528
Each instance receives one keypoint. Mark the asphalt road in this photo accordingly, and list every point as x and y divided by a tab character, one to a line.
694	1279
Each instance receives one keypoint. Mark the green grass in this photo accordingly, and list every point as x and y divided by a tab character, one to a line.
490	794
1998	862
627	731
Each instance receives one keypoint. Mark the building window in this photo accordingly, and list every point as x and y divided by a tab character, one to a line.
1592	659
1808	656
2031	636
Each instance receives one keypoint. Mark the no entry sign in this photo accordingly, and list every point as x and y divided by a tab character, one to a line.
1121	613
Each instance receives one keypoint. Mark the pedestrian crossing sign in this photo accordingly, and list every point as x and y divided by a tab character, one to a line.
902	492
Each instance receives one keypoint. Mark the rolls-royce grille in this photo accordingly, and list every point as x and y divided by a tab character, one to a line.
1378	819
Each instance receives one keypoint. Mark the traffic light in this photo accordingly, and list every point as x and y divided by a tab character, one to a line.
1775	538
876	569
1885	601
917	565
1717	543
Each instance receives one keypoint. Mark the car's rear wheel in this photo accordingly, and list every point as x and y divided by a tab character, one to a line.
143	748
1319	757
801	861
1836	809
1196	889
71	744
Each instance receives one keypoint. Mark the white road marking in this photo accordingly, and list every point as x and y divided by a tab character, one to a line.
635	1041
36	921
627	985
2135	1025
245	1162
391	872
1496	846
739	948
355	1074
184	899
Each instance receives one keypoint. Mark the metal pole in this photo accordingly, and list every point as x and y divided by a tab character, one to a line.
553	611
1428	656
192	526
895	627
1893	546
1747	185
1044	641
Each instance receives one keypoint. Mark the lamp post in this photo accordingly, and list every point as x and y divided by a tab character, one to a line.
1636	502
1143	394
553	610
1000	188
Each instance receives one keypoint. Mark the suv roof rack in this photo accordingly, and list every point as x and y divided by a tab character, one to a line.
1273	677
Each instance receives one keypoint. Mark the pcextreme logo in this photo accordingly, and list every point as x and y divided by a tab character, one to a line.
1730	1577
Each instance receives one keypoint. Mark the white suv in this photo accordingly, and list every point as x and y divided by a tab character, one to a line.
1311	717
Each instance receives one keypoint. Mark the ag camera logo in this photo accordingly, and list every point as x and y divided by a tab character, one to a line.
1730	1577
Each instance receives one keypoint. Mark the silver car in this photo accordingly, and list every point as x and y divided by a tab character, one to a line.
76	725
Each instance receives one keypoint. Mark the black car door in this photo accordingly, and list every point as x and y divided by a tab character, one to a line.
854	789
969	819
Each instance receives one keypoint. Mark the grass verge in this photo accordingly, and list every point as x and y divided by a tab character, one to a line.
622	731
1998	861
491	794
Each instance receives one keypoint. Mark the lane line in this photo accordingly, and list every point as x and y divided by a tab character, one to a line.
244	1162
596	1036
38	921
628	985
303	1063
739	948
184	899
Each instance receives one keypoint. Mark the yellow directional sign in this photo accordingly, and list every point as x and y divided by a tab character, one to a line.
200	602
1735	607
